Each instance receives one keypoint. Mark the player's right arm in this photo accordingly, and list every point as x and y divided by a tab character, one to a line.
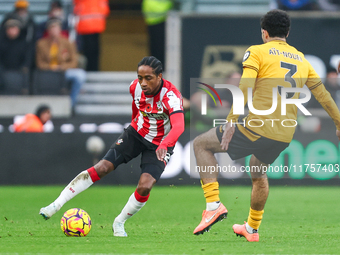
316	86
132	93
247	81
251	65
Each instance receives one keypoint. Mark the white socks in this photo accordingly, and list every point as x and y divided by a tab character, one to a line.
131	207
80	183
250	230
212	206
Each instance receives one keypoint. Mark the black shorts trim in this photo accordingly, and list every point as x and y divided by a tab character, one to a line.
264	149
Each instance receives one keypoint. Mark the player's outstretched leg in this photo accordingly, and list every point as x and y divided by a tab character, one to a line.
215	210
205	146
80	183
259	197
136	201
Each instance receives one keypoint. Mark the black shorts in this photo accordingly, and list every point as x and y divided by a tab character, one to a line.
264	149
129	145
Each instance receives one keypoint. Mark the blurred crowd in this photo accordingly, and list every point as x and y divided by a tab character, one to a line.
50	50
305	5
61	48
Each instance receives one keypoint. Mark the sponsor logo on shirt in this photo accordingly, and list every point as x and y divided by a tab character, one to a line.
157	116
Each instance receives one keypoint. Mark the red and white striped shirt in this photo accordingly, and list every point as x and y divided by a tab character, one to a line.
151	113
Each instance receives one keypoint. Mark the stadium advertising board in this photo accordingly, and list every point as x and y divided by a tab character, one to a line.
56	157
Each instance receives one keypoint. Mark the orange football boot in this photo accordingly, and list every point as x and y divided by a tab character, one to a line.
209	218
240	230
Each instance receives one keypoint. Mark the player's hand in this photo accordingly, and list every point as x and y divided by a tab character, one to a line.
338	134
161	153
227	135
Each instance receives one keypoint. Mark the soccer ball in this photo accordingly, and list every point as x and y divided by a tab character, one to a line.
75	222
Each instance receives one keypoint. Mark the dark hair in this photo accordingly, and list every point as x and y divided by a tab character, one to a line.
276	23
13	23
41	109
53	20
56	4
153	62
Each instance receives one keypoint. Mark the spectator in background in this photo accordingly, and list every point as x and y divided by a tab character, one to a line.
21	13
57	54
332	84
34	123
155	14
56	11
15	51
91	23
225	94
16	54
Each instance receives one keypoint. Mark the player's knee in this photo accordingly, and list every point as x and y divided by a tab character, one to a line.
198	144
103	167
143	190
145	184
260	180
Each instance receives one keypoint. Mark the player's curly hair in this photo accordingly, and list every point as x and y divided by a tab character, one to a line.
276	23
153	62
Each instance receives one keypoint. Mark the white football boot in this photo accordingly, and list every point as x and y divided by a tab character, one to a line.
48	211
118	229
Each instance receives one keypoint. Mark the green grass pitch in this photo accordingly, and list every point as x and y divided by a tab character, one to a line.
297	220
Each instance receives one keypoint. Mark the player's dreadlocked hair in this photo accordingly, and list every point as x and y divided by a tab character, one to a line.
153	62
276	23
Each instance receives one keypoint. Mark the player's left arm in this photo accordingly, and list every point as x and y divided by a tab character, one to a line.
316	86
174	103
327	102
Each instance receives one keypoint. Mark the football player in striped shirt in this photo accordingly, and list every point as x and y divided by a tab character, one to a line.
157	122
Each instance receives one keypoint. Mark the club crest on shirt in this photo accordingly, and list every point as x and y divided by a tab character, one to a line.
119	141
246	56
159	106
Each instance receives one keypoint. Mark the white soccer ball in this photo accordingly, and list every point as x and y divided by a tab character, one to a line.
95	145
